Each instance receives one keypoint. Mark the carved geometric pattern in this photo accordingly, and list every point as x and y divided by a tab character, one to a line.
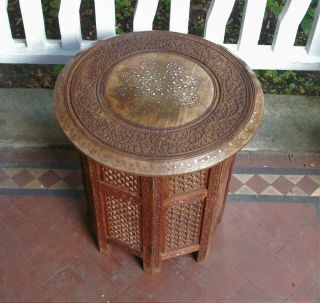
120	179
183	225
123	217
187	182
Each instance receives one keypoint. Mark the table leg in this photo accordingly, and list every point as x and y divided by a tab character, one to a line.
151	212
93	202
220	216
219	178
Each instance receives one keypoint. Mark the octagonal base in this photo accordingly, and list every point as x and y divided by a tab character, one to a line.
156	218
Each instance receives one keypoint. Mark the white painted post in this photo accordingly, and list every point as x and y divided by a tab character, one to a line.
251	24
313	44
217	18
32	16
5	30
105	18
179	16
144	15
288	23
69	22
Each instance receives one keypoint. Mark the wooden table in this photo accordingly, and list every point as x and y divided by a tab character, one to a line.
158	117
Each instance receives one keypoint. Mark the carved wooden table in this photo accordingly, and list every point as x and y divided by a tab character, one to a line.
158	117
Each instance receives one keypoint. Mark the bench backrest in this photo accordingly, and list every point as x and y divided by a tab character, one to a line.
281	54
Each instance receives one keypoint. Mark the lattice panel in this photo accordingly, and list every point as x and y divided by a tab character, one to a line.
187	182
123	218
183	225
120	179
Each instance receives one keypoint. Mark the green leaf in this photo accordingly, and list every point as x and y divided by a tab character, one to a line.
122	4
275	6
53	13
311	12
55	4
306	25
49	33
56	70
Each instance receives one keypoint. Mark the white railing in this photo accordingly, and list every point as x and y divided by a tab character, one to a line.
282	54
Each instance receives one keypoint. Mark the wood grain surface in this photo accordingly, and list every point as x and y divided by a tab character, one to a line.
159	90
116	104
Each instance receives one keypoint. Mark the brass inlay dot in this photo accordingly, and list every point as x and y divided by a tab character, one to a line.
159	90
151	83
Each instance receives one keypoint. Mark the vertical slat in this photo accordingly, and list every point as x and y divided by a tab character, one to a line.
313	44
287	26
144	15
5	30
179	15
69	22
105	18
217	18
32	16
251	24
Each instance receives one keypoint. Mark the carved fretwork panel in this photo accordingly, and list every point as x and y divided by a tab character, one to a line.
125	181
183	224
188	182
123	221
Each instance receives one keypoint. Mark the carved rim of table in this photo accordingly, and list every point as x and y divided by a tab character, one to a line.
155	165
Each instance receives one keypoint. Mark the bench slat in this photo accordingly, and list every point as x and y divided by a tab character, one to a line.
105	18
313	44
217	18
179	16
251	24
288	23
69	22
5	30
33	22
144	15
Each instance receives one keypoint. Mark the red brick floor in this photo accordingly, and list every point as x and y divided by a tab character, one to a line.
262	251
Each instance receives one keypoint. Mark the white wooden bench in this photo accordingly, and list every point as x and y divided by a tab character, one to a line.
282	54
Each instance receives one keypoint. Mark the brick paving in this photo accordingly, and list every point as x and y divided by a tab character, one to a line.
266	248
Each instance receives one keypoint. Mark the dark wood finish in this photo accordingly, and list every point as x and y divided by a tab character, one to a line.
156	218
158	117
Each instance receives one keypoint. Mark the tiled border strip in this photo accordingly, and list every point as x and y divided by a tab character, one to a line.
48	165
236	170
276	171
273	198
231	197
75	166
42	192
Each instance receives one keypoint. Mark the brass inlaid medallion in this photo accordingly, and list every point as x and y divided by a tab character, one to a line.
159	89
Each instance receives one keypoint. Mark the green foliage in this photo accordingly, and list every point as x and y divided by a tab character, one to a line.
51	10
288	83
275	7
51	7
124	15
166	3
124	9
56	70
55	4
203	1
119	30
307	21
